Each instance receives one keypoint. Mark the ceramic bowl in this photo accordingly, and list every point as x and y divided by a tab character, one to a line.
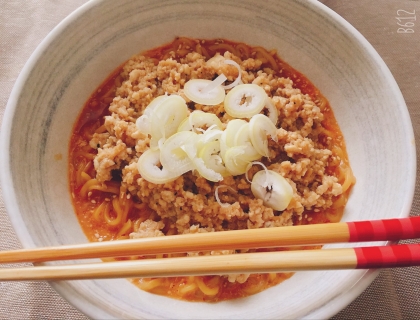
89	44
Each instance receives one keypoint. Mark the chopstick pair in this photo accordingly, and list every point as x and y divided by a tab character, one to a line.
262	262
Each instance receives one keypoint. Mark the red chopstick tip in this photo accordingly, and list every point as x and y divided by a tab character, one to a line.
384	230
403	255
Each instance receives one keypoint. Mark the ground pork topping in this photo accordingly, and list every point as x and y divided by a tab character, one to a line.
188	203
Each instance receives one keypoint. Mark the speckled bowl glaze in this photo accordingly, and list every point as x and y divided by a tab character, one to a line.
82	50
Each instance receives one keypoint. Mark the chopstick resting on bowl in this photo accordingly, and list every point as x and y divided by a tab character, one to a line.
261	262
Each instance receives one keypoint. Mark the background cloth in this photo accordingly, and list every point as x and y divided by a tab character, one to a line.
395	294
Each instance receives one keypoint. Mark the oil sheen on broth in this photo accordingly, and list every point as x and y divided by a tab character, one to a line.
113	201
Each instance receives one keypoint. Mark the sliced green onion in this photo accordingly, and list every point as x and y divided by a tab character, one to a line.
238	79
147	166
215	83
273	113
200	119
242	138
227	139
199	165
194	90
272	188
245	100
234	160
216	195
143	123
259	127
210	153
173	157
166	118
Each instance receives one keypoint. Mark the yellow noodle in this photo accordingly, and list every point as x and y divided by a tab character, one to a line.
322	103
87	187
118	214
85	154
340	202
183	43
224	47
255	287
188	288
101	129
341	175
338	152
205	53
118	206
88	166
148	285
79	177
125	229
349	179
244	51
108	94
94	184
270	59
182	52
328	133
85	177
99	210
198	49
204	288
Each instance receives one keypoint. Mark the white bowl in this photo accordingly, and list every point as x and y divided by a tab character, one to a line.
82	50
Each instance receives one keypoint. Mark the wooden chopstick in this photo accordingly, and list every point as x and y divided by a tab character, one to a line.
262	262
376	230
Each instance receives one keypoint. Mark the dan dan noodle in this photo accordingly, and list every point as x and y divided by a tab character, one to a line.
244	142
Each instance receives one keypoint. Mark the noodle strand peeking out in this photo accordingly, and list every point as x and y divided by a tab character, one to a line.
290	131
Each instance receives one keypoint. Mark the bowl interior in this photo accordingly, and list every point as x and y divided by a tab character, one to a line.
86	47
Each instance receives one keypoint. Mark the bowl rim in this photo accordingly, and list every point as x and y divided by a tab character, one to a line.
326	310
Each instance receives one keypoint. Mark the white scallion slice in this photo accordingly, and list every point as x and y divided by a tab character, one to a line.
172	155
149	170
205	171
215	83
210	135
238	78
199	165
272	188
242	138
166	118
245	100
210	153
216	195
184	125
194	90
250	166
273	113
234	160
143	122
201	119
227	139
259	127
